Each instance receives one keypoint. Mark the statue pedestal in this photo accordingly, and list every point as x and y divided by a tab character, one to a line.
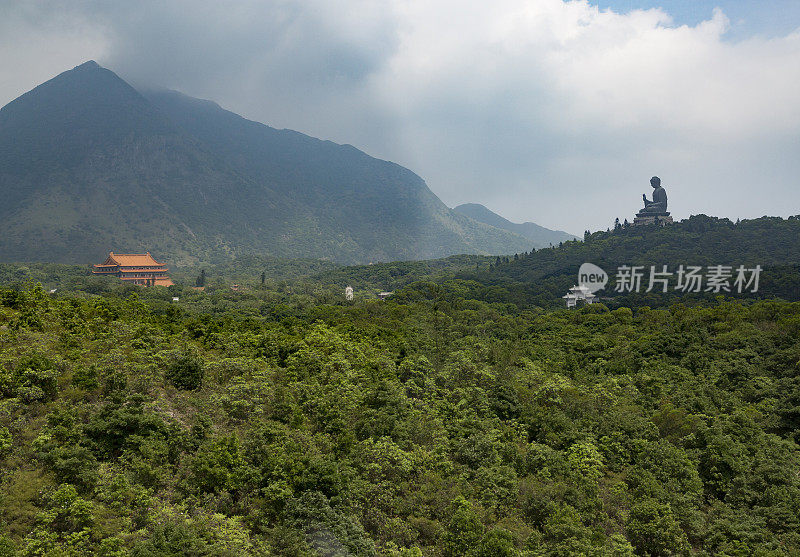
660	219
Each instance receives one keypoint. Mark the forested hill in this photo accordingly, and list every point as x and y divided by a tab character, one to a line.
541	277
89	165
529	279
248	427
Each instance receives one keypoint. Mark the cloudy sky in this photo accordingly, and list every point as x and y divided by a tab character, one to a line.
543	110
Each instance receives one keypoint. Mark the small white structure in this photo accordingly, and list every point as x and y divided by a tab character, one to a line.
176	299
348	293
384	295
579	293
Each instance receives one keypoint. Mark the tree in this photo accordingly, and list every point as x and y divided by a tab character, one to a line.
585	461
464	531
186	371
63	527
201	279
218	465
173	537
653	530
496	543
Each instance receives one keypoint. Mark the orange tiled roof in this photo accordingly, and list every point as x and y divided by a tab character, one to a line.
132	259
125	264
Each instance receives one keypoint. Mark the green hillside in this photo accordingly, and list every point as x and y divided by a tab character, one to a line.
536	279
88	165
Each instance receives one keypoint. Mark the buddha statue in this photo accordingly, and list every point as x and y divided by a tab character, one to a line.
658	206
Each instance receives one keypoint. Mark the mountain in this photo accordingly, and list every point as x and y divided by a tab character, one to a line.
539	236
89	165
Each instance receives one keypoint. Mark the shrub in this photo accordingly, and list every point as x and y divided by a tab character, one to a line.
5	442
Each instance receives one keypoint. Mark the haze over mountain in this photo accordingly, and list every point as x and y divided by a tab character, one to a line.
88	164
540	236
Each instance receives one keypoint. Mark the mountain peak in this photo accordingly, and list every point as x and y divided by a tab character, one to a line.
78	114
88	97
88	65
86	85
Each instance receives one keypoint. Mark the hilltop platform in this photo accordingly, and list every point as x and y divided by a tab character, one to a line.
660	219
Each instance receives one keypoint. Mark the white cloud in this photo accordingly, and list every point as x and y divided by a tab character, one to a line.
544	110
547	103
33	48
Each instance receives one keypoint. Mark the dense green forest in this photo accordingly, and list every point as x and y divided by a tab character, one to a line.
464	416
253	425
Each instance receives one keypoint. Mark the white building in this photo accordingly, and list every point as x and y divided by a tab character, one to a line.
348	293
579	293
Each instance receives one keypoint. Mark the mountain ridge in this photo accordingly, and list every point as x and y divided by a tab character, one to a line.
89	164
540	236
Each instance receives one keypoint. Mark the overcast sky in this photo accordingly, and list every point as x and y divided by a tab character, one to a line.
542	110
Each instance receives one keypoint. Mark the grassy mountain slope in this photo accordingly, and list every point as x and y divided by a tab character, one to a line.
539	236
88	165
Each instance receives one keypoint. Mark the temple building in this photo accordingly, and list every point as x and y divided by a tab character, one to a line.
576	293
134	268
